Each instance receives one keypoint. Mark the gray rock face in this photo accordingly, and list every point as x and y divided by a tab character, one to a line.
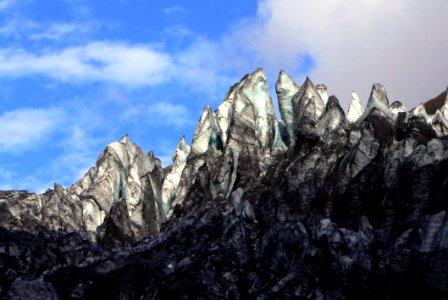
172	180
123	173
286	88
323	92
339	207
244	124
378	102
253	113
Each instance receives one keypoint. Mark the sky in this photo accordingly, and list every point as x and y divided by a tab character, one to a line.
76	75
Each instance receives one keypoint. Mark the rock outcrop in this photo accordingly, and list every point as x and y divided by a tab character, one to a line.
124	178
355	110
286	88
317	205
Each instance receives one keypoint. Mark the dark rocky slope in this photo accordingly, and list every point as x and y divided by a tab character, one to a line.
314	206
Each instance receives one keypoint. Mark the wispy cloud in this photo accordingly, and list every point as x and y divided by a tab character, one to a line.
209	67
6	178
23	129
129	65
9	28
175	10
159	114
79	152
32	181
18	27
59	31
77	146
5	4
178	32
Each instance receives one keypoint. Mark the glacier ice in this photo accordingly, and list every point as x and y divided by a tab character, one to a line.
172	180
355	110
286	88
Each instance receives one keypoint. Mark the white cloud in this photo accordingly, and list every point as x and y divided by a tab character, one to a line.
28	29
355	43
18	27
23	129
128	65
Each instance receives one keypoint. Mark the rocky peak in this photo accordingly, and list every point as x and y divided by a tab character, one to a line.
253	122
286	88
224	111
355	109
332	126
439	123
334	113
397	107
123	173
309	107
431	106
378	102
181	153
208	134
355	208
378	95
172	180
306	92
242	134
322	90
398	111
420	112
120	164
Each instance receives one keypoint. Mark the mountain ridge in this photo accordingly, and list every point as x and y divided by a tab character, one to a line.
275	204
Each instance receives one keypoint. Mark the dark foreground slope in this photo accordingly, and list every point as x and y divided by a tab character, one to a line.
371	248
315	206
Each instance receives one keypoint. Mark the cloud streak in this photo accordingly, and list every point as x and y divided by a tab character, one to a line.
59	31
5	4
175	10
23	129
159	114
128	65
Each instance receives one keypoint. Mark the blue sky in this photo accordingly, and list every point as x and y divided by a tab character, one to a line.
78	80
76	75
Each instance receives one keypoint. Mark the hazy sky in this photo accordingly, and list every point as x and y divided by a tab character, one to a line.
77	74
